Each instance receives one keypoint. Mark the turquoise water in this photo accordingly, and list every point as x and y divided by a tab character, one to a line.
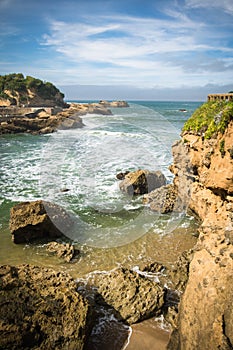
84	162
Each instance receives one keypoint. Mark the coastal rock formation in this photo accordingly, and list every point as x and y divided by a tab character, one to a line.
205	313
46	120
30	221
41	309
64	251
114	104
163	199
142	181
133	296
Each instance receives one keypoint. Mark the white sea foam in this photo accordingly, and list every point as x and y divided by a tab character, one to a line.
86	161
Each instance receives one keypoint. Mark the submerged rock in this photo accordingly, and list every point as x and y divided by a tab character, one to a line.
64	251
142	181
134	297
41	309
36	220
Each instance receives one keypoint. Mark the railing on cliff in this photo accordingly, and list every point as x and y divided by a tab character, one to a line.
221	97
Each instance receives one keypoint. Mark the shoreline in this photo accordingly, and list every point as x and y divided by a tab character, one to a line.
45	120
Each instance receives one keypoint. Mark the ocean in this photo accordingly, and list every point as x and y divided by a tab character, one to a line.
77	169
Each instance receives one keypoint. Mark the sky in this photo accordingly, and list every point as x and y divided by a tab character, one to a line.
127	49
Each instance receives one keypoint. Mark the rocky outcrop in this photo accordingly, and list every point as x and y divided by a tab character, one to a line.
66	251
133	296
15	89
142	181
41	309
42	121
31	221
114	104
163	200
203	165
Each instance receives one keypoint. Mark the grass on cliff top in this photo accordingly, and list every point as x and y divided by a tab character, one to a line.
210	118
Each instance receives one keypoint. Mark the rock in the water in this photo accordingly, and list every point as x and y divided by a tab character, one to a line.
64	251
114	104
163	199
121	176
133	296
142	181
41	309
39	219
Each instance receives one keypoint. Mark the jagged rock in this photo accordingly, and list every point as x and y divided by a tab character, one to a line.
179	272
142	181
163	199
41	309
29	120
133	296
70	123
64	251
153	267
39	219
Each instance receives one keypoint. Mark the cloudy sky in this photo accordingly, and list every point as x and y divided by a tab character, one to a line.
136	49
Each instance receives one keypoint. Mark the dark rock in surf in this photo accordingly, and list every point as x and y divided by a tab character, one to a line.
37	220
41	309
142	181
121	176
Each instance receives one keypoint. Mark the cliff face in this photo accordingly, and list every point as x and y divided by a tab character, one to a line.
203	168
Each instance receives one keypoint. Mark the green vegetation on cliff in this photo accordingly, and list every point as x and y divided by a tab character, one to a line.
210	118
16	84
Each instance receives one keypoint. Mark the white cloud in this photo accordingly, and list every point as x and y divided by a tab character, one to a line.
139	51
225	5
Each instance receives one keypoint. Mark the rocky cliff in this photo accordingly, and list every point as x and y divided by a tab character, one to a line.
203	169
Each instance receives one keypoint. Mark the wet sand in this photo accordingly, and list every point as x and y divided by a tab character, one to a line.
148	336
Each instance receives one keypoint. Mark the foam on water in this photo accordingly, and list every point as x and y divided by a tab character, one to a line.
84	162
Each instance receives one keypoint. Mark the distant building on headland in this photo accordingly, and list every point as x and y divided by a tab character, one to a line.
221	97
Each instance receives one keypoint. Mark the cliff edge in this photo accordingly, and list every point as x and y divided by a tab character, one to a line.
203	169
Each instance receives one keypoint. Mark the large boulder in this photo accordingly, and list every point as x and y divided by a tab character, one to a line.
41	309
142	181
133	296
38	219
163	199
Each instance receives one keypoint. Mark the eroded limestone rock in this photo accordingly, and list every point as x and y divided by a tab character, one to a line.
65	251
133	296
38	219
41	309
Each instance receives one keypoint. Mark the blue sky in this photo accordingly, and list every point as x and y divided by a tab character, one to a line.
142	47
